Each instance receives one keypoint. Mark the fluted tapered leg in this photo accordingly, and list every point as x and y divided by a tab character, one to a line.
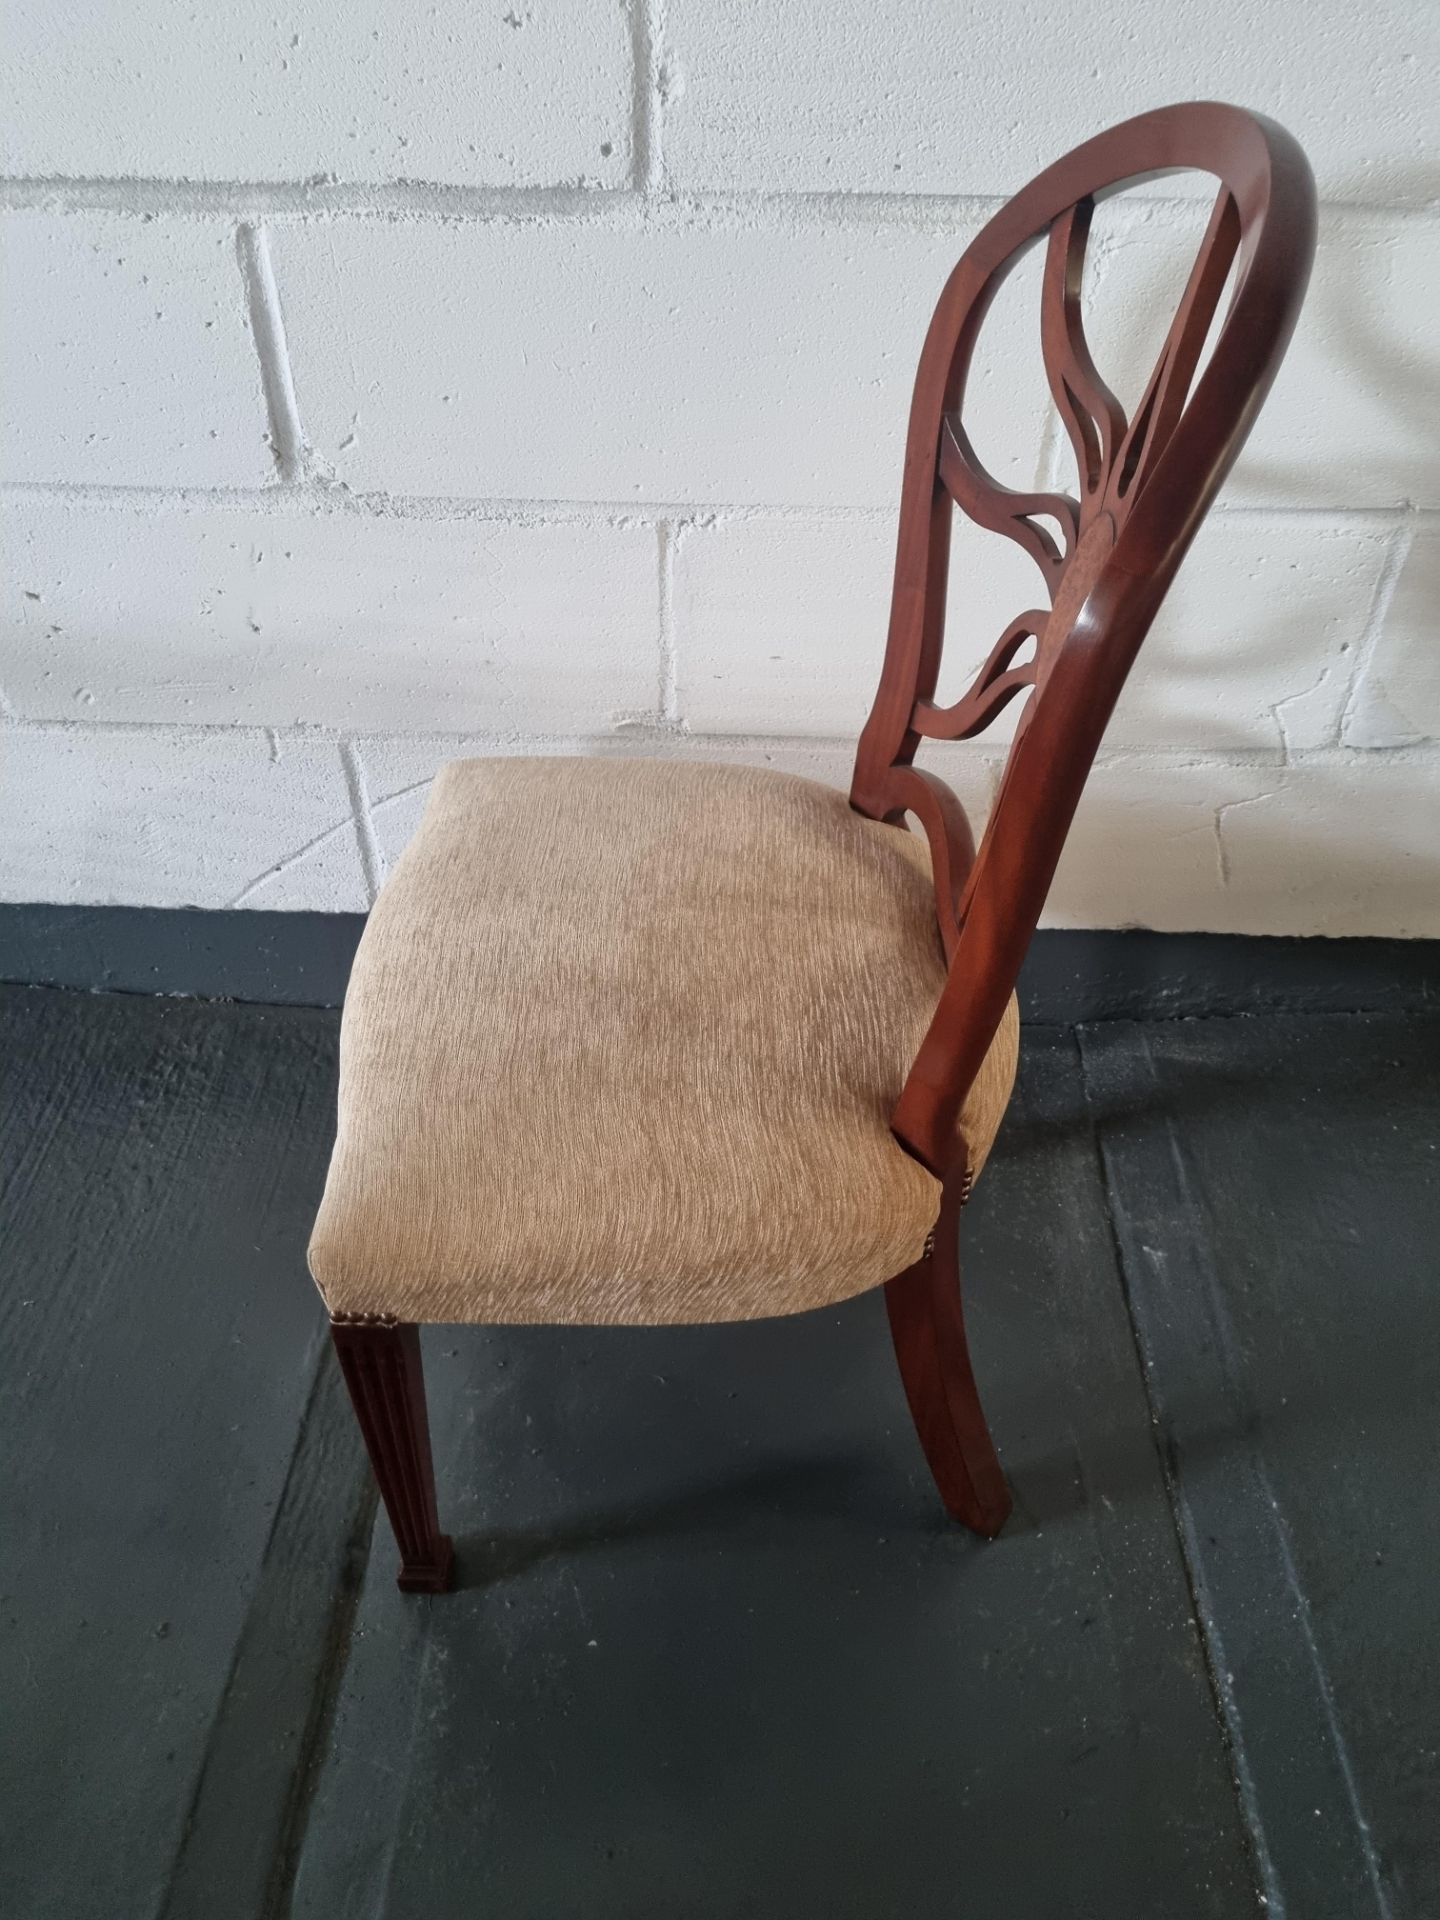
382	1369
927	1324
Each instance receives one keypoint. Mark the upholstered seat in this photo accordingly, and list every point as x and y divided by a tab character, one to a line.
621	1045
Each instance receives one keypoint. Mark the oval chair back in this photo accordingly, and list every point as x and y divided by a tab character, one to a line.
1145	485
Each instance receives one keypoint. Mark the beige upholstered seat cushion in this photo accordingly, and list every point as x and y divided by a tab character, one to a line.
620	1045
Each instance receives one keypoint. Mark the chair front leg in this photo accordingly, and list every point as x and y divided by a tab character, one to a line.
927	1324
382	1369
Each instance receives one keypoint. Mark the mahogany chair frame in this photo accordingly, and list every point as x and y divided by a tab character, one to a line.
1145	485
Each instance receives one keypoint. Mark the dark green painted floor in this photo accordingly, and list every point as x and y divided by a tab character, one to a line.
714	1651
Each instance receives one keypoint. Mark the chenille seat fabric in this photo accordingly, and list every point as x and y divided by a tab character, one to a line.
621	1045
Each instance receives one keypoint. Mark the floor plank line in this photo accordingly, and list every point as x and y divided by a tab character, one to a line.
274	1715
1300	1788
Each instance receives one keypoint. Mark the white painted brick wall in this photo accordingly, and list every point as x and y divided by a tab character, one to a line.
533	378
934	98
531	94
174	818
1319	846
225	616
127	357
697	358
1395	699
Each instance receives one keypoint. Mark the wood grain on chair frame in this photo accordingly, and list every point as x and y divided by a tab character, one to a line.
1145	484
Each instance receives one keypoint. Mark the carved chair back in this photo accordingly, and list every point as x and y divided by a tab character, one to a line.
1145	484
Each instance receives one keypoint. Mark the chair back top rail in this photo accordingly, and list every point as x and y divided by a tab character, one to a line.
1144	487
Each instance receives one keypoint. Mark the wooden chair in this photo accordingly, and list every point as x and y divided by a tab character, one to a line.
645	1041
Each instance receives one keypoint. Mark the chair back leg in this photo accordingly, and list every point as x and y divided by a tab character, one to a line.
382	1369
927	1324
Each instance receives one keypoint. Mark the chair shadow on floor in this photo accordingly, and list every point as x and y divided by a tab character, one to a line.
841	1487
1052	1490
843	1490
